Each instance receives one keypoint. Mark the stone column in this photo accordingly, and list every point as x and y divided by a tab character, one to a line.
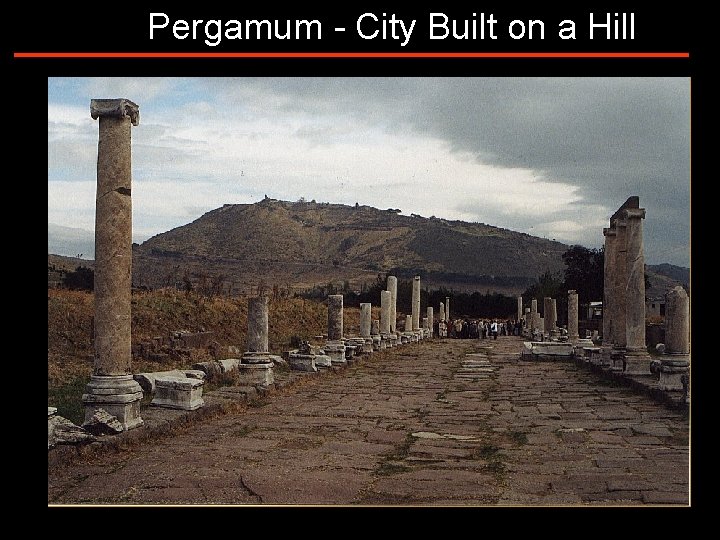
519	308
416	303
392	287
257	363
365	319
408	323
676	360
385	310
447	308
442	312
573	334
553	323
334	347
528	318
637	359
619	299
608	270
533	314
547	315
375	334
257	336
111	385
431	320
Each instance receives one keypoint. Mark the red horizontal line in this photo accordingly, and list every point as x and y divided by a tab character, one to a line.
351	55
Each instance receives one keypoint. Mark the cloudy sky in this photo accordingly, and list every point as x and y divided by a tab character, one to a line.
553	157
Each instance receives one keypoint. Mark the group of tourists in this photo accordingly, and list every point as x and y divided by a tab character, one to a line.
478	328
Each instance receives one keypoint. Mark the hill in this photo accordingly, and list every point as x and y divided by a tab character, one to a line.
664	277
301	244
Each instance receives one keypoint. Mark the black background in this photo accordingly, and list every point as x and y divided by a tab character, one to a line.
116	27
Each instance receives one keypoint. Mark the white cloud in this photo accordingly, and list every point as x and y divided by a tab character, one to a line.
550	157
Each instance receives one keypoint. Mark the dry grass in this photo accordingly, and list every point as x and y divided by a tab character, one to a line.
161	312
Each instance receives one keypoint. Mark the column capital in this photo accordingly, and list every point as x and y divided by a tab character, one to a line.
115	108
634	213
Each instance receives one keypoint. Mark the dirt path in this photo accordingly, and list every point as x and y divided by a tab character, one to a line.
447	422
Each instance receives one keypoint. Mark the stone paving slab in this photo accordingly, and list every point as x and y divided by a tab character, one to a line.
403	426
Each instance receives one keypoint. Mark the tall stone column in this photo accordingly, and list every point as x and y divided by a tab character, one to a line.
256	366
676	360
441	314
335	347
365	319
573	334
554	314
637	359
392	287
608	282
257	336
385	310
619	298
533	314
547	315
519	308
416	303
447	308
111	385
431	320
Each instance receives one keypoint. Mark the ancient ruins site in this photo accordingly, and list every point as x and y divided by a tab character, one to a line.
384	406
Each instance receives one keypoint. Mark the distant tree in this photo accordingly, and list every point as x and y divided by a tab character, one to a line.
584	273
81	278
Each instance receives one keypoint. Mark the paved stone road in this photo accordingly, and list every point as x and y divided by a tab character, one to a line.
444	422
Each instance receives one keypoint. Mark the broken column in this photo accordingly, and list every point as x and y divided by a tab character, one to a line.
447	308
112	387
637	359
365	325
334	346
392	287
385	303
519	308
441	314
676	360
256	365
608	268
416	303
619	299
378	342
547	314
408	335
573	334
534	316
431	320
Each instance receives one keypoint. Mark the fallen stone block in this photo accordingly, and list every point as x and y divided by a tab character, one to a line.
147	380
229	364
103	423
63	431
211	369
178	393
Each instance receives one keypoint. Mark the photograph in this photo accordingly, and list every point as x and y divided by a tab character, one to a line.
367	276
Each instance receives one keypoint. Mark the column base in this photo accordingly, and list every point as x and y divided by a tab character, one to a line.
637	362
302	362
256	374
376	342
118	395
673	368
336	351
